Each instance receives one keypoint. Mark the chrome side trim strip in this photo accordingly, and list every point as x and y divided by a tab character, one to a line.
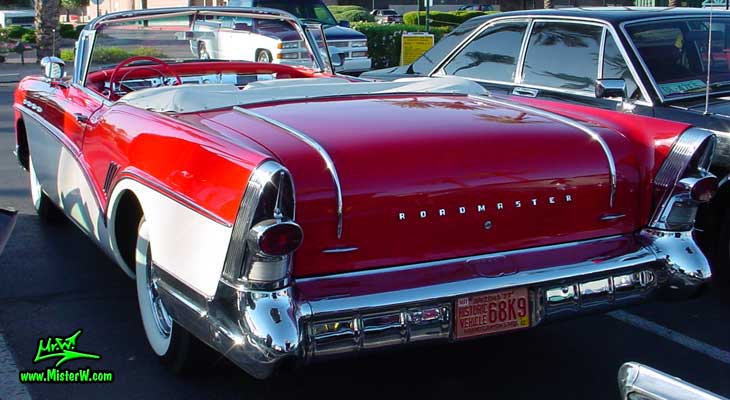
306	139
176	197
567	121
340	250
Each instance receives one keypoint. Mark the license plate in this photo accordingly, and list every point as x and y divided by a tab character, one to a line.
492	312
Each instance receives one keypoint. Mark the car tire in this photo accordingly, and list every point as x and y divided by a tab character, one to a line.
44	207
203	52
172	344
263	56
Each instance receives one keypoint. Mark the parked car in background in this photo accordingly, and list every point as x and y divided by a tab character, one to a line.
252	39
387	16
640	382
476	7
274	237
24	18
639	61
349	43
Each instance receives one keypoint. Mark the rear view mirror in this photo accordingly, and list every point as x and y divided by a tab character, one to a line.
344	24
337	56
53	68
610	88
639	382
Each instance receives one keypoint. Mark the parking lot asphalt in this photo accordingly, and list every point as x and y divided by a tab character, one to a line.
54	281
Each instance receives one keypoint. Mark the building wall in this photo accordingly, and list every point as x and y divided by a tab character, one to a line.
108	6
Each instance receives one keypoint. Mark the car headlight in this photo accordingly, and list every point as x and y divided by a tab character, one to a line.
288	45
359	44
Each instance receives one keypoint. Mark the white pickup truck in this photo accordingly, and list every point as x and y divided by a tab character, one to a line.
266	41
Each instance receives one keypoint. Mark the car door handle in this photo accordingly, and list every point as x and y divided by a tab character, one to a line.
526	92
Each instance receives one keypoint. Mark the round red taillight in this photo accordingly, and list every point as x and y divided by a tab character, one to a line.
704	189
277	238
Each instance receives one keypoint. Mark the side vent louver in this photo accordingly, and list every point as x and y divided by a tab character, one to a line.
110	173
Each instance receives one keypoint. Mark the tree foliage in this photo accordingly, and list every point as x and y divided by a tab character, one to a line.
71	4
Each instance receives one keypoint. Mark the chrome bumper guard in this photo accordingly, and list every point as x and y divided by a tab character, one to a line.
341	314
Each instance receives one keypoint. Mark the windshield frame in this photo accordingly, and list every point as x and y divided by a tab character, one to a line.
86	41
655	85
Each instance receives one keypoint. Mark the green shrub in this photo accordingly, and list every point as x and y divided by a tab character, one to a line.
67	55
440	18
384	40
111	55
148	51
29	37
17	32
68	31
351	13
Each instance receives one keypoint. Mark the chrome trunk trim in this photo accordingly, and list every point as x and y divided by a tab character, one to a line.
306	139
258	329
567	121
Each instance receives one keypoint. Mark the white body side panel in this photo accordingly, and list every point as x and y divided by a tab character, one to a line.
184	243
63	180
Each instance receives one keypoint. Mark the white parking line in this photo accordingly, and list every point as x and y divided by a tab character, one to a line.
684	340
10	386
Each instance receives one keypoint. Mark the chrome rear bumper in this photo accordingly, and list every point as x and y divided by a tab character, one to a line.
347	313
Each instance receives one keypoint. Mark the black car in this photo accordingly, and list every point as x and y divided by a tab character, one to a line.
649	61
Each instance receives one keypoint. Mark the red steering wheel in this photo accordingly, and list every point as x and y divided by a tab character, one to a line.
115	78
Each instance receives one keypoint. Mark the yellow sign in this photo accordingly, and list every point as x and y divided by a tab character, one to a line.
413	44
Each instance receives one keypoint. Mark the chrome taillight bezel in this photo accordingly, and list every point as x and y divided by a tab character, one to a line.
686	165
269	196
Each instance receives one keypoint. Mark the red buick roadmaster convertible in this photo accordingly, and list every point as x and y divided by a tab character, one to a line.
283	213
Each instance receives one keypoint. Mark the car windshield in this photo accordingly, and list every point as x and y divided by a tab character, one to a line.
389	12
307	10
202	36
676	54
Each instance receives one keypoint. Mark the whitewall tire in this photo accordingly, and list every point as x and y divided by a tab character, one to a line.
170	341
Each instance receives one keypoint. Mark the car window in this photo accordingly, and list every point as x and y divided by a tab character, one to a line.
427	62
492	54
614	67
563	55
675	53
307	10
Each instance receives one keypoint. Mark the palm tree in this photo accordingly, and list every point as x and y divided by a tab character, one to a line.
548	4
47	13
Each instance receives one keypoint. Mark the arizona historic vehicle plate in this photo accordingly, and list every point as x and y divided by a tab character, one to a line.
492	312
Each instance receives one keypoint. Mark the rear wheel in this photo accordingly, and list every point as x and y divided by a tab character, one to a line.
44	207
263	56
170	341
